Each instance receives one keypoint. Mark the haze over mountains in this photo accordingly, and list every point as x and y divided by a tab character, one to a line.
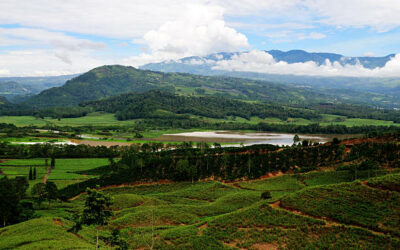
318	64
10	87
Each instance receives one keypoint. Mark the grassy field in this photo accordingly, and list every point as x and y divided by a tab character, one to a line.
63	174
105	119
216	215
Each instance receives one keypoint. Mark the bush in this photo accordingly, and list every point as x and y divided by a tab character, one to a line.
266	195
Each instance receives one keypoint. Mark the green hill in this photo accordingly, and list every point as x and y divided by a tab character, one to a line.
109	81
158	104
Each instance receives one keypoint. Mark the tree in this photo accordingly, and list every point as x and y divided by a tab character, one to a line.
53	162
97	210
266	195
34	174
39	193
296	139
51	191
116	240
8	202
30	174
305	143
21	184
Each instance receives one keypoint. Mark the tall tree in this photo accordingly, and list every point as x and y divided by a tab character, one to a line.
30	174
97	210
51	191
8	202
53	162
34	174
21	184
39	193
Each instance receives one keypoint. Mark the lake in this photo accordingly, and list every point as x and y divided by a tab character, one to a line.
250	138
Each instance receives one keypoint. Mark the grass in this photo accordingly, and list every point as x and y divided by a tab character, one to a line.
41	233
63	174
280	183
107	119
215	215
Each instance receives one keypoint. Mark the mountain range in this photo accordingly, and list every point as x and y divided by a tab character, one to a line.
205	66
15	88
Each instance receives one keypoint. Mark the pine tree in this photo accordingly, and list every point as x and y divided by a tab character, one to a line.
34	174
30	174
53	162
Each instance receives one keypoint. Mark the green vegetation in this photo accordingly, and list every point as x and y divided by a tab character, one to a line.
388	182
65	173
196	198
351	203
108	81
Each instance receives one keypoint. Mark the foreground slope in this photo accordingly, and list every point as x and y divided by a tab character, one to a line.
217	215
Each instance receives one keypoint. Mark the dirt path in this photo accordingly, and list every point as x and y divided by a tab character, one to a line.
328	221
46	177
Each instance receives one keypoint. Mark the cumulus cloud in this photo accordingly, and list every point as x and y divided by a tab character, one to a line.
262	62
199	30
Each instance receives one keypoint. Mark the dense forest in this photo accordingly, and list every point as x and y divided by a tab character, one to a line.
146	105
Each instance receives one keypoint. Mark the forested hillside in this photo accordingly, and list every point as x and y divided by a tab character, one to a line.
158	104
109	81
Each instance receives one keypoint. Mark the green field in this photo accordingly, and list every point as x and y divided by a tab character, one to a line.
216	215
63	174
105	119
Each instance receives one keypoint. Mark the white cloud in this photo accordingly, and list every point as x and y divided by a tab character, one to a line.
29	36
312	35
199	30
4	72
168	29
262	62
41	62
381	15
133	18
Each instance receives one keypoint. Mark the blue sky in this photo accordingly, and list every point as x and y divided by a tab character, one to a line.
52	37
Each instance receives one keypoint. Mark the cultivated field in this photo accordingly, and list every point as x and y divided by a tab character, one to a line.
302	213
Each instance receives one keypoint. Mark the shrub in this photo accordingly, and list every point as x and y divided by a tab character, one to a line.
266	195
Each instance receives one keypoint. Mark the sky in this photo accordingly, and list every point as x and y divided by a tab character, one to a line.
57	37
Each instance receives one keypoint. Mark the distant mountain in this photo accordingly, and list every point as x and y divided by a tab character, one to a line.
17	87
204	66
196	64
5	105
13	88
107	81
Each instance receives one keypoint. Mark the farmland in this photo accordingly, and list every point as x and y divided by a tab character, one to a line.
222	215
